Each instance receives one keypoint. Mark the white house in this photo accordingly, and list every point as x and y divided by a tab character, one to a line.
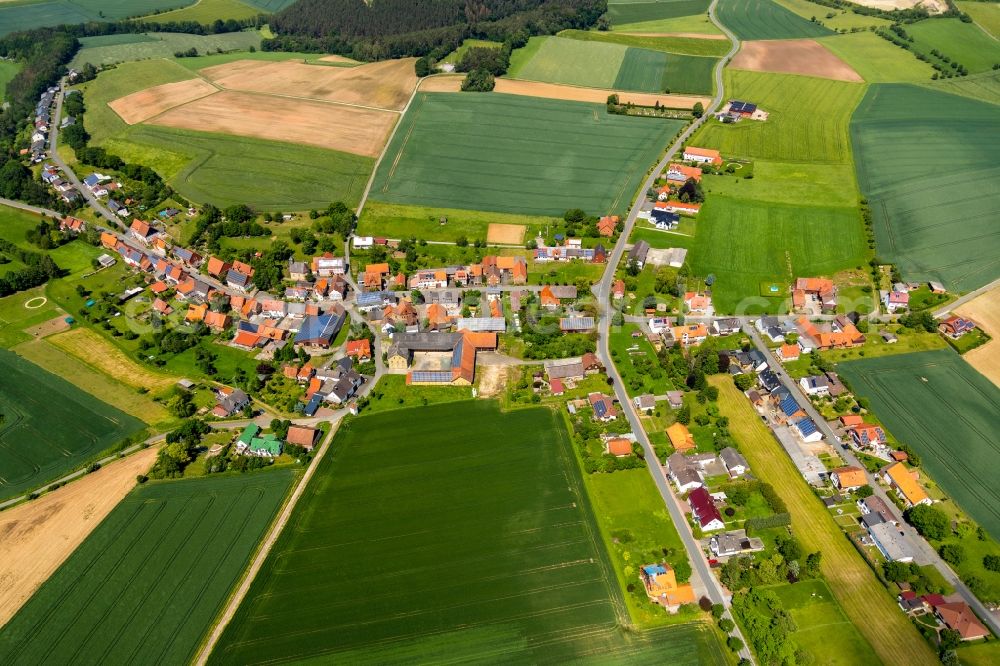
363	242
815	385
895	300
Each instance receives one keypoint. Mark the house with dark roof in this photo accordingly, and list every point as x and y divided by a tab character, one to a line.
734	461
320	330
637	254
229	401
704	511
685	474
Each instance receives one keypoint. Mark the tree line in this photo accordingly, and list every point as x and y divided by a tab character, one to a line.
39	269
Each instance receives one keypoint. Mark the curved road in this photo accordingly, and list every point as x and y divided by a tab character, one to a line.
603	292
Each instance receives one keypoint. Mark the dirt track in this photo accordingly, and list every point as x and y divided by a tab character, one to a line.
985	311
794	56
383	85
571	93
36	537
151	102
334	126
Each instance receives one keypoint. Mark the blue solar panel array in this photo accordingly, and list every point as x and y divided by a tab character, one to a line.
806	427
600	409
431	376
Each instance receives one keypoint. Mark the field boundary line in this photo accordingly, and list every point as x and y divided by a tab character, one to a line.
240	592
385	150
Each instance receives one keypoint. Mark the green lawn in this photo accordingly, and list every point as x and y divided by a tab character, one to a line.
765	19
420	547
789	134
682	45
876	59
146	584
108	49
540	157
16	16
624	13
985	14
823	628
393	393
422	222
745	243
50	427
931	401
964	43
897	130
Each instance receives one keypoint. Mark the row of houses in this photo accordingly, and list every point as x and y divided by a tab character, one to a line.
492	271
51	176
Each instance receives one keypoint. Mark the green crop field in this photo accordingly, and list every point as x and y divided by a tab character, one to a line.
842	19
207	11
698	24
877	60
606	64
49	426
985	87
682	45
935	223
985	14
147	583
745	243
108	49
792	133
622	13
422	542
938	404
21	15
964	43
766	19
539	156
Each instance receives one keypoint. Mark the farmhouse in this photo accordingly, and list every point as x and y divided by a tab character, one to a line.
841	334
702	156
680	437
662	587
681	207
438	358
681	173
903	482
814	295
704	511
303	436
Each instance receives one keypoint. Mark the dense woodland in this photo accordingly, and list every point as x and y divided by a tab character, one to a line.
374	30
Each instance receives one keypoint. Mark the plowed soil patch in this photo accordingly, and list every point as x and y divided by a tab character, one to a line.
985	311
151	102
794	56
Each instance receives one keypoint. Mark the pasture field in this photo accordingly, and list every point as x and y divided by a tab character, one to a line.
605	64
897	130
985	14
14	317
777	242
823	628
790	183
844	18
15	16
225	170
683	45
864	600
938	404
109	49
540	157
7	71
789	135
876	60
40	535
695	24
623	13
964	43
400	221
50	426
985	87
765	19
793	56
207	11
413	544
147	583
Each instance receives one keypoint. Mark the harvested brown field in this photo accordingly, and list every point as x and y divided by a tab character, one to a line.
36	537
571	93
338	58
383	85
54	325
505	234
985	311
151	102
97	352
794	56
334	126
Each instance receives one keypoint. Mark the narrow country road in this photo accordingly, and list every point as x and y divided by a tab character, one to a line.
603	292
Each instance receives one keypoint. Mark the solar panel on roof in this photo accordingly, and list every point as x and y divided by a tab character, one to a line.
806	427
600	409
431	376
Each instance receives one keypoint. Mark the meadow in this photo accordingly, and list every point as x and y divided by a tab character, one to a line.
108	49
765	19
964	43
15	16
207	11
877	60
626	12
607	64
985	87
418	543
684	45
399	221
934	224
7	71
985	14
792	133
789	183
147	583
50	427
864	600
695	24
842	19
936	403
745	243
539	157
